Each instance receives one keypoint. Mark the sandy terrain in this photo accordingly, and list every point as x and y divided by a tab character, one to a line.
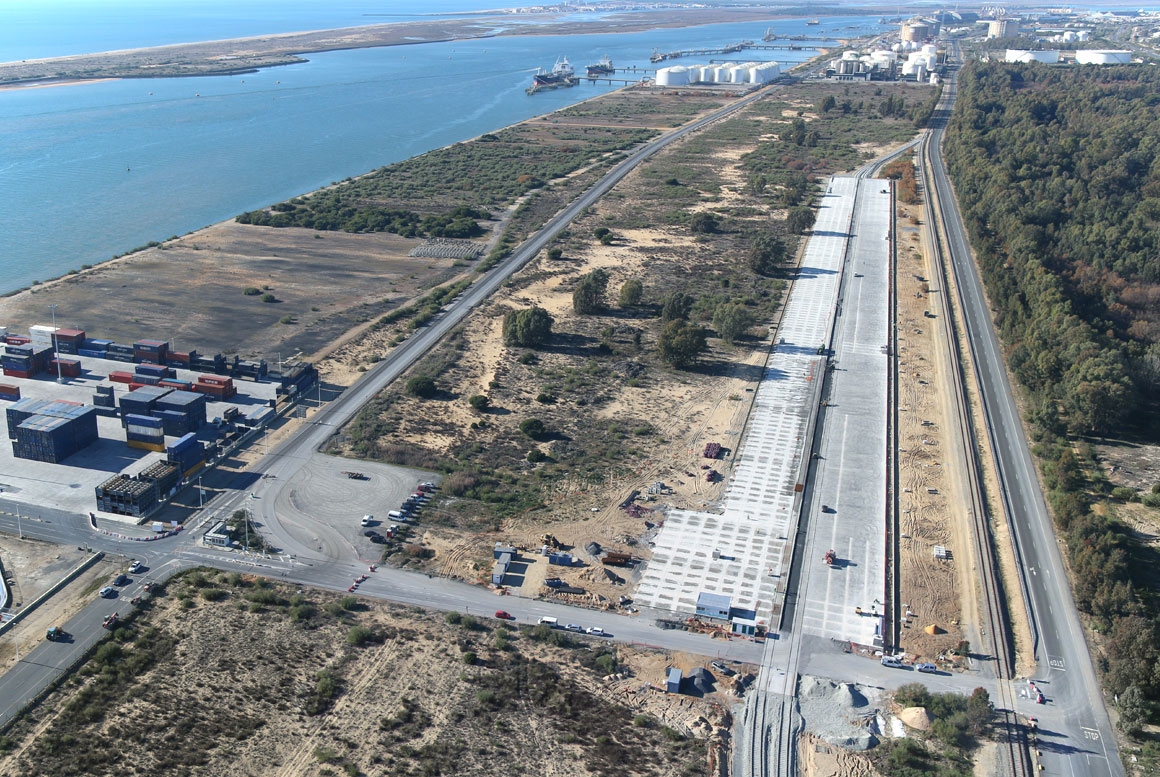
30	569
232	687
241	55
931	499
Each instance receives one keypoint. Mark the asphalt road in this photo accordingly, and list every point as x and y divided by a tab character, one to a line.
1075	731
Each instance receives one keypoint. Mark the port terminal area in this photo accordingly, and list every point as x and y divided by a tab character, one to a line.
733	563
70	486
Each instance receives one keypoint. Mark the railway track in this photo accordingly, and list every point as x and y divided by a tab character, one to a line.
998	641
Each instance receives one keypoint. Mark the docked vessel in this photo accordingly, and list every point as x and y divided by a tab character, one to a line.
602	68
560	74
813	22
769	35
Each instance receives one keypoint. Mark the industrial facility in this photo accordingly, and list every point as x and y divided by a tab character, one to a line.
175	413
743	73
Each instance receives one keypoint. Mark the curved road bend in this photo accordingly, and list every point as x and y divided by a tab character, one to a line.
38	669
1075	733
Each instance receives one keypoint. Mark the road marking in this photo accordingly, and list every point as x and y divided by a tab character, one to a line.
1056	663
1090	733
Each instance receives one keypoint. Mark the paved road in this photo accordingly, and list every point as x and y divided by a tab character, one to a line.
1075	731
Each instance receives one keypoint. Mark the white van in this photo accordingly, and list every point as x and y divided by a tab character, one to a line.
366	520
892	661
395	515
547	620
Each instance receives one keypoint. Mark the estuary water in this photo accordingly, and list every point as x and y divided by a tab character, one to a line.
92	170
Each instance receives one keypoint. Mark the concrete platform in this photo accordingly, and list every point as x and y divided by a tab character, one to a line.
744	552
850	477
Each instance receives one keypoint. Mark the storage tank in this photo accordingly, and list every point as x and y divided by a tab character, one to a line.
737	74
849	56
721	74
662	77
929	50
707	74
1102	57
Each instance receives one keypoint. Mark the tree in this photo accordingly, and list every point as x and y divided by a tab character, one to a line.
800	219
556	254
704	223
527	328
732	320
677	306
479	402
1134	711
979	711
827	104
766	254
681	343
422	386
630	293
588	297
533	427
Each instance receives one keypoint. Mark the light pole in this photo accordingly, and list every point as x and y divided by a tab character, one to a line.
200	494
59	376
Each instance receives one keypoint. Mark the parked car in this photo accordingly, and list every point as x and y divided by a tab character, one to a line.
722	668
504	615
136	567
892	661
367	520
926	668
108	592
573	627
595	631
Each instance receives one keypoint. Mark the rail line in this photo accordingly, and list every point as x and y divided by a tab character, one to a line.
996	631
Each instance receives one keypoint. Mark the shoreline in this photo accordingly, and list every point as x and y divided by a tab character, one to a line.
238	55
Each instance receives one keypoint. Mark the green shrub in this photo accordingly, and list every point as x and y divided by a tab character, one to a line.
535	456
213	594
422	386
251	291
1124	493
533	427
267	297
478	402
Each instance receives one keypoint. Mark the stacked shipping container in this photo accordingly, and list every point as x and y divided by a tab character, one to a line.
124	495
143	432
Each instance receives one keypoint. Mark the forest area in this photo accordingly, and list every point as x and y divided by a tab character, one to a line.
1058	177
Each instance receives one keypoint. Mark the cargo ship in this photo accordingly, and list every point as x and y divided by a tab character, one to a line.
813	22
561	74
602	68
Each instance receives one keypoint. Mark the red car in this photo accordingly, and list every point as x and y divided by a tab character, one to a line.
504	615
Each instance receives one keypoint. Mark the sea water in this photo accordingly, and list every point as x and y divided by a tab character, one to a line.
92	170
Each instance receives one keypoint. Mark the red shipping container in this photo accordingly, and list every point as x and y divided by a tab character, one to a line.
17	373
70	335
9	391
135	386
16	340
214	380
120	377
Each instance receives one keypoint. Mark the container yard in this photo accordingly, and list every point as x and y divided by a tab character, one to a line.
127	423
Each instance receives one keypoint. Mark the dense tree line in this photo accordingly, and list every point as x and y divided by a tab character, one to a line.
1058	178
332	213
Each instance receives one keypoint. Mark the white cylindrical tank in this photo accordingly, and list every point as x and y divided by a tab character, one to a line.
929	49
848	56
663	76
721	74
1102	57
707	74
934	79
678	75
737	74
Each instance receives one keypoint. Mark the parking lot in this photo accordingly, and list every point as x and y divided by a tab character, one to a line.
70	486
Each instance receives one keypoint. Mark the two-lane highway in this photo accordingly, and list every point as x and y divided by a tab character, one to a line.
1075	732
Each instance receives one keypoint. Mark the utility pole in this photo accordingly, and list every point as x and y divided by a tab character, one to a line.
200	494
59	376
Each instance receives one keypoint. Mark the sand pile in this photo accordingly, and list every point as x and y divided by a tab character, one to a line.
916	717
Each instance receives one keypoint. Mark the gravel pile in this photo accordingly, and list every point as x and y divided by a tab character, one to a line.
837	712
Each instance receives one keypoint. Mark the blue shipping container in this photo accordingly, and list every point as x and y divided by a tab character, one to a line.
143	420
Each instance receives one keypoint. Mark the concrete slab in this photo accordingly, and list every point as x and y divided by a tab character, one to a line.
744	552
850	476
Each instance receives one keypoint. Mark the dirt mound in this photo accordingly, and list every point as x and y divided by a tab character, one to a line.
838	712
916	717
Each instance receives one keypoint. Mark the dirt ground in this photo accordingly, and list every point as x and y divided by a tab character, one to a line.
817	758
30	569
931	501
327	283
235	686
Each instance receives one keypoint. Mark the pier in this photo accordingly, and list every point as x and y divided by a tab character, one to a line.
735	48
